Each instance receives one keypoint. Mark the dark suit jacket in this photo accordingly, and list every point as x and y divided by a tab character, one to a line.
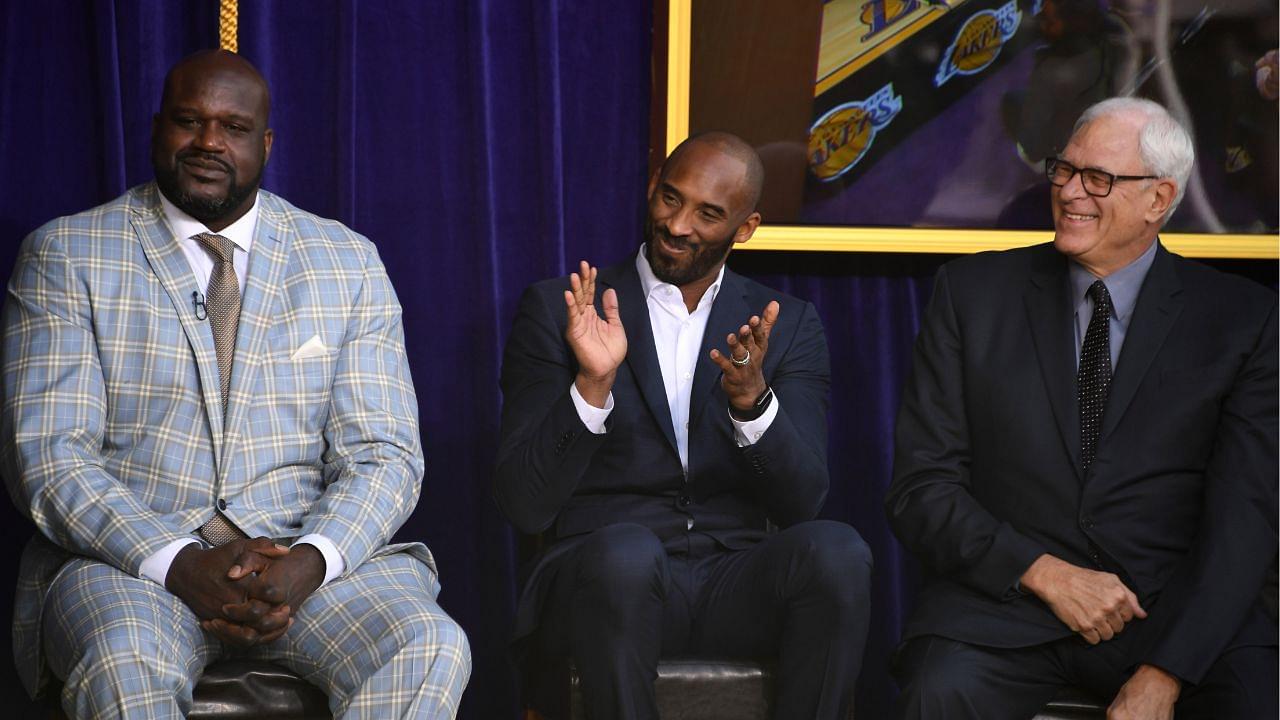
1180	502
554	475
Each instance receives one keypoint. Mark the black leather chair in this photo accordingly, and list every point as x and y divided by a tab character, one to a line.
699	689
245	690
1074	704
691	689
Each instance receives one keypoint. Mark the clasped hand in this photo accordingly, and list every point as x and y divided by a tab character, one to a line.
247	591
1095	605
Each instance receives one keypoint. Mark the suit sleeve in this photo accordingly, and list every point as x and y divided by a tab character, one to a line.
1214	588
373	460
789	462
54	417
544	449
930	505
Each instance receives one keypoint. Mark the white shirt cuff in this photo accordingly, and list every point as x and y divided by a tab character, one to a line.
750	432
591	416
156	566
333	563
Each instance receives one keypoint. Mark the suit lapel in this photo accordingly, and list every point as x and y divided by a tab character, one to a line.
267	261
172	269
728	313
1158	307
1049	317
642	357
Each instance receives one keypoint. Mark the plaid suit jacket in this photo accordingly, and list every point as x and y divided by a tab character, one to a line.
114	438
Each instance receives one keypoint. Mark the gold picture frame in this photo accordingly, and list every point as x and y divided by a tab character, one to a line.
902	239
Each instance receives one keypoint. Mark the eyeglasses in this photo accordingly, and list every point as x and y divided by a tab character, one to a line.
1097	183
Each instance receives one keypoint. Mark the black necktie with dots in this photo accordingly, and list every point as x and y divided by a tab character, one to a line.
1093	378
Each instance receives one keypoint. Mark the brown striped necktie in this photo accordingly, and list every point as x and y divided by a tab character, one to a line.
222	300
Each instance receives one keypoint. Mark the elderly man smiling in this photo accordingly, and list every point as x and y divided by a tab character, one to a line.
1086	458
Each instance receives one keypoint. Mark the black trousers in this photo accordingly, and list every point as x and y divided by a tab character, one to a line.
623	598
944	679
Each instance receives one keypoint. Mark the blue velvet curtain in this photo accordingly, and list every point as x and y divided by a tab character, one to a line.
482	145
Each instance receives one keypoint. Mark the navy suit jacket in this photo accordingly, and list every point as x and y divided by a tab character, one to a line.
1180	502
556	477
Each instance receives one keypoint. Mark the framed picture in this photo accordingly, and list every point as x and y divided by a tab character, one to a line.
923	125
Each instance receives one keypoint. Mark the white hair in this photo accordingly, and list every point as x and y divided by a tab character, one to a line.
1164	146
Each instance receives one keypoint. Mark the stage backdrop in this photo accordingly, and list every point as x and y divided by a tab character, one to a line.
482	145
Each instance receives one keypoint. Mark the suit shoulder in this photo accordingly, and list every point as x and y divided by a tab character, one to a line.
997	274
310	229
994	265
1222	289
81	232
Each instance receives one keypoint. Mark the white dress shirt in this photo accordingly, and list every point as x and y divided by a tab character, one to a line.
156	566
677	337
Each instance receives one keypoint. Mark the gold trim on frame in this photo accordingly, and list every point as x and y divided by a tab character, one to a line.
904	240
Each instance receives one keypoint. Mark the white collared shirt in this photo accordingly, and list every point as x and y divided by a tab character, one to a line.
677	337
240	232
156	566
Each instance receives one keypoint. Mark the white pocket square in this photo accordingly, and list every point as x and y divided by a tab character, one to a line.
314	347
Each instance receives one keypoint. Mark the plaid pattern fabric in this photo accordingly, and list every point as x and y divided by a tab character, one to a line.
375	641
115	440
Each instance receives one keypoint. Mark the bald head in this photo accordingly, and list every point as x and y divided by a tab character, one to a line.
208	64
735	147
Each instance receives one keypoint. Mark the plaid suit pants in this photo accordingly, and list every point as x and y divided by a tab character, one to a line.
374	640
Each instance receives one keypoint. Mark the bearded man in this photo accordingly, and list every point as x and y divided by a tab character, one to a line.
652	446
208	414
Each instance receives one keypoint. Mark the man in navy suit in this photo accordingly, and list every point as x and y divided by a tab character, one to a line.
654	444
1086	458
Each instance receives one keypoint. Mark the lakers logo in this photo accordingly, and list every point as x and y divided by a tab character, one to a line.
979	41
879	15
841	137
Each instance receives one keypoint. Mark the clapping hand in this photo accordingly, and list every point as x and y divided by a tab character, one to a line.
599	344
743	366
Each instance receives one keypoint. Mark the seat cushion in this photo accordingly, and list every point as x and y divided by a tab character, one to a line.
256	690
704	689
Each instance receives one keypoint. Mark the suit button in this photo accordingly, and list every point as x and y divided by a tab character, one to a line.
685	501
222	504
1086	523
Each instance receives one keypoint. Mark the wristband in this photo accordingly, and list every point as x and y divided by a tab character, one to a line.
757	409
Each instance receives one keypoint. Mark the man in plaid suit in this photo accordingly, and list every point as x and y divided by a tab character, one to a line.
192	365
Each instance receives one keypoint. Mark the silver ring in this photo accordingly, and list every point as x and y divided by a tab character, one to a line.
746	359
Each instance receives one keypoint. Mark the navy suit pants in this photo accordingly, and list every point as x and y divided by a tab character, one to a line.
945	679
623	598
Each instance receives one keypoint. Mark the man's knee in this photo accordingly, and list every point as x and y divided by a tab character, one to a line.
439	638
622	560
1241	684
948	678
839	560
99	621
942	686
